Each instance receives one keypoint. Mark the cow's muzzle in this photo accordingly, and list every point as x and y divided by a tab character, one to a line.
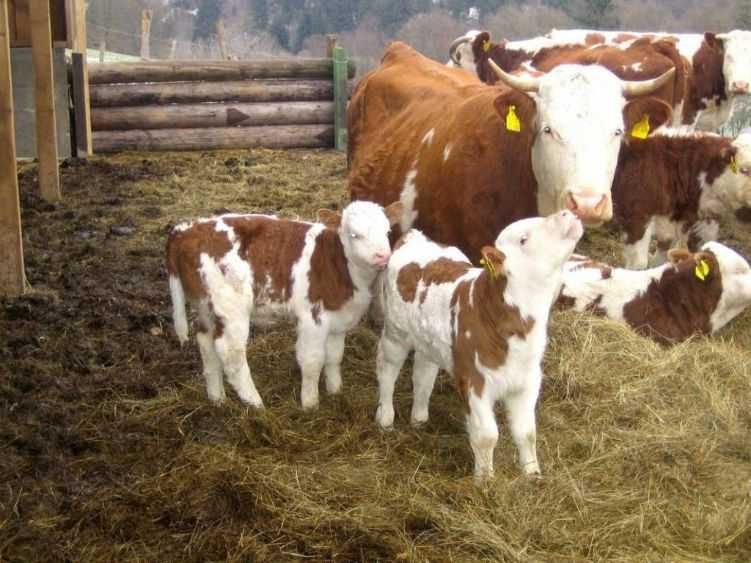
739	87
592	210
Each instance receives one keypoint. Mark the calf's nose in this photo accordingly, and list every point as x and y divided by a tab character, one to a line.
380	258
739	87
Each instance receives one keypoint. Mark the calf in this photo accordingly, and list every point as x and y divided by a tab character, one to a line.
233	267
488	327
695	293
674	186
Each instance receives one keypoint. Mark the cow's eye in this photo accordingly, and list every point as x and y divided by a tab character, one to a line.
618	132
523	240
745	170
547	130
355	236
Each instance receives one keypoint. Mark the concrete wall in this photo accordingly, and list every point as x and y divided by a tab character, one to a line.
23	99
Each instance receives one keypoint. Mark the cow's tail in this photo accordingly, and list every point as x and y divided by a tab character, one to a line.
179	313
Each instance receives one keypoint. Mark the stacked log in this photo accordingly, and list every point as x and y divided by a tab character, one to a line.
192	105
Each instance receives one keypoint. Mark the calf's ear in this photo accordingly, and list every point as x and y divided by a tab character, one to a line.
678	255
394	212
492	260
479	43
643	115
329	218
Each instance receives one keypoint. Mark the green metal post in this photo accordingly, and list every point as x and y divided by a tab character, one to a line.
340	98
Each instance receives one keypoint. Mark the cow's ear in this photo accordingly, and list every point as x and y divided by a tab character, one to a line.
492	260
678	255
643	115
517	111
705	266
329	218
481	44
394	212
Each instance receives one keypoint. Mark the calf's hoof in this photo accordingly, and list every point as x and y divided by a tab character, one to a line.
532	469
385	418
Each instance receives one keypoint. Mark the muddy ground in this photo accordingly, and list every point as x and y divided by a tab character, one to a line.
111	452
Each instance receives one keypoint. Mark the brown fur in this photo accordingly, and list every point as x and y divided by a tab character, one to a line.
707	79
442	270
659	176
490	322
330	282
679	304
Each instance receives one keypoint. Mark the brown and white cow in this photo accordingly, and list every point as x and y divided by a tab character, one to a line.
486	326
695	293
235	268
674	186
467	159
720	69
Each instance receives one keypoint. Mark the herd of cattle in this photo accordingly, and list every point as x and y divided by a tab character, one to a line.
470	185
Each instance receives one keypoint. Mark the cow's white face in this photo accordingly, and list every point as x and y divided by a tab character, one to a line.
731	190
463	57
736	66
536	248
364	234
736	283
579	130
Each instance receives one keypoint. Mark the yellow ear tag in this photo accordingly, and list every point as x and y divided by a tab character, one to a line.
489	266
702	270
486	45
733	165
512	120
641	128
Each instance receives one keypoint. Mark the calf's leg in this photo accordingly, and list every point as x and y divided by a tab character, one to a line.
424	373
389	360
231	348
310	350
212	364
520	410
333	367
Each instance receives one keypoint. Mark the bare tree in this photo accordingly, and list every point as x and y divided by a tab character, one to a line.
522	22
431	33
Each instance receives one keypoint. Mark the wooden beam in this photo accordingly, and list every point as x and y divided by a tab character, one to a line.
120	95
195	116
44	94
278	137
177	70
146	33
81	98
12	278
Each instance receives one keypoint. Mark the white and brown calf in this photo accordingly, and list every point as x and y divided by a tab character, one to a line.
674	186
237	267
695	293
486	326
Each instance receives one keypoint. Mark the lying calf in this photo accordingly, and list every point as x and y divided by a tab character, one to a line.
488	327
234	267
674	186
693	294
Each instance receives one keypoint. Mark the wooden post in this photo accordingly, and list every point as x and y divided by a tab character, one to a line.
340	99
220	39
102	49
145	32
12	279
44	94
81	101
172	49
330	45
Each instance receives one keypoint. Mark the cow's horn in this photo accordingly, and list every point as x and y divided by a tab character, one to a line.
523	83
633	88
455	46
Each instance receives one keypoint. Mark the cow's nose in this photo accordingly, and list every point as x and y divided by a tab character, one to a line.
739	87
591	210
381	258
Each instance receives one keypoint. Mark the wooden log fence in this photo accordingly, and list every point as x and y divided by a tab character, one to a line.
195	105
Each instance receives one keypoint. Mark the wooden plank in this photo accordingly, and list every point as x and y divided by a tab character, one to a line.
340	98
12	278
59	23
191	116
23	24
12	21
46	129
280	137
81	109
78	25
112	95
178	71
145	33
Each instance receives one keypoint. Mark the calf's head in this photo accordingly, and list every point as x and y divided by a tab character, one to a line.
536	248
578	116
735	274
363	229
